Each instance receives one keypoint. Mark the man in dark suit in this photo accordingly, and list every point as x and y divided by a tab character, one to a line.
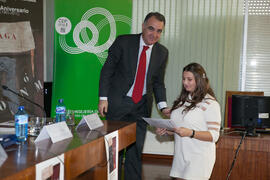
120	80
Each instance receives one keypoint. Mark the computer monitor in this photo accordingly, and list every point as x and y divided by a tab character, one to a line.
250	112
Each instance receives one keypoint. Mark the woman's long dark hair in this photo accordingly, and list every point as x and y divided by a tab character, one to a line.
202	88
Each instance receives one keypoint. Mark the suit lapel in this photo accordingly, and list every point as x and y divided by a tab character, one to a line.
153	58
134	56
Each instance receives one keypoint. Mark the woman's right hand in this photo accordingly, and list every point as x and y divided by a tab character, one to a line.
161	131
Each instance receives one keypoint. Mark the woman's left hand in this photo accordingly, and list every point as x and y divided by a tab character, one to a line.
183	132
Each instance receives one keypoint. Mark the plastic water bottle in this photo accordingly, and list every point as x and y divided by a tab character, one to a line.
21	124
60	111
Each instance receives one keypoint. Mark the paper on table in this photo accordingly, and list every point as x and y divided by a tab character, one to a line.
3	155
7	130
10	123
7	127
161	123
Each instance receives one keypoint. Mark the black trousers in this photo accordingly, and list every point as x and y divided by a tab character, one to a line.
131	112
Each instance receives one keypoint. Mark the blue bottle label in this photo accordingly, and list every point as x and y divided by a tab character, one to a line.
21	119
60	110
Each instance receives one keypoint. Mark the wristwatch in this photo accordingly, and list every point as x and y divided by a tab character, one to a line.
193	134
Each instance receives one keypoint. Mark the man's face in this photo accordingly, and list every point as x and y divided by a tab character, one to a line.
151	30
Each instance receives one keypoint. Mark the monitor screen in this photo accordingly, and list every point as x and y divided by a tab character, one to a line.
250	111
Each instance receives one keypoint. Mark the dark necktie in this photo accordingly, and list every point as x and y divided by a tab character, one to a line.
139	82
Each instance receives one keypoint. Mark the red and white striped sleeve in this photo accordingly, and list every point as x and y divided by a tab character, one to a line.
213	118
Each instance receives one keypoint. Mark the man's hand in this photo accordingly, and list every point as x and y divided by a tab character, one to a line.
166	112
103	107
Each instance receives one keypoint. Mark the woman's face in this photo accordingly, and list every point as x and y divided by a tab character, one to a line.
189	82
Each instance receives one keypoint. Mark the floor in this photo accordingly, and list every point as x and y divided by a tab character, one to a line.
156	168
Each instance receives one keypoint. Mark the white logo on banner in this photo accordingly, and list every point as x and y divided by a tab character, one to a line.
80	36
63	25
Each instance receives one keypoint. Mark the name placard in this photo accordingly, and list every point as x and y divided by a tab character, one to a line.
56	132
92	121
3	155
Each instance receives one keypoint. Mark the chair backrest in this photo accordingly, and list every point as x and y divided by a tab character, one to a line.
228	103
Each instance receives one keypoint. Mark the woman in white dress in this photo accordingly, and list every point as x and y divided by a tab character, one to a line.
197	116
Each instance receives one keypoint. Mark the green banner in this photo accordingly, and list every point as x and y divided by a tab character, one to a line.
84	30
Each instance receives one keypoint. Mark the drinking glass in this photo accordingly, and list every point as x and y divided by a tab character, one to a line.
35	124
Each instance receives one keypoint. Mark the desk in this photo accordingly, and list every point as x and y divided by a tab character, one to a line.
85	151
252	162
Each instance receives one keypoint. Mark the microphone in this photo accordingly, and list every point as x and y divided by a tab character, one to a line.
25	98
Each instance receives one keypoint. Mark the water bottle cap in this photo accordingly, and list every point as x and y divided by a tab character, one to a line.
21	107
60	100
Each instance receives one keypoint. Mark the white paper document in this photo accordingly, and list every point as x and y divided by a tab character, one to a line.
7	130
92	121
57	132
161	123
51	169
111	144
7	127
10	123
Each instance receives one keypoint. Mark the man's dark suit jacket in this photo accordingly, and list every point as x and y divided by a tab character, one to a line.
119	70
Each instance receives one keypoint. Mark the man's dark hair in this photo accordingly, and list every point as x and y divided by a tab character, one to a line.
157	15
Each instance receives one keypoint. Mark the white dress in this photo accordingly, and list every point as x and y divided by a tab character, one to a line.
194	159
